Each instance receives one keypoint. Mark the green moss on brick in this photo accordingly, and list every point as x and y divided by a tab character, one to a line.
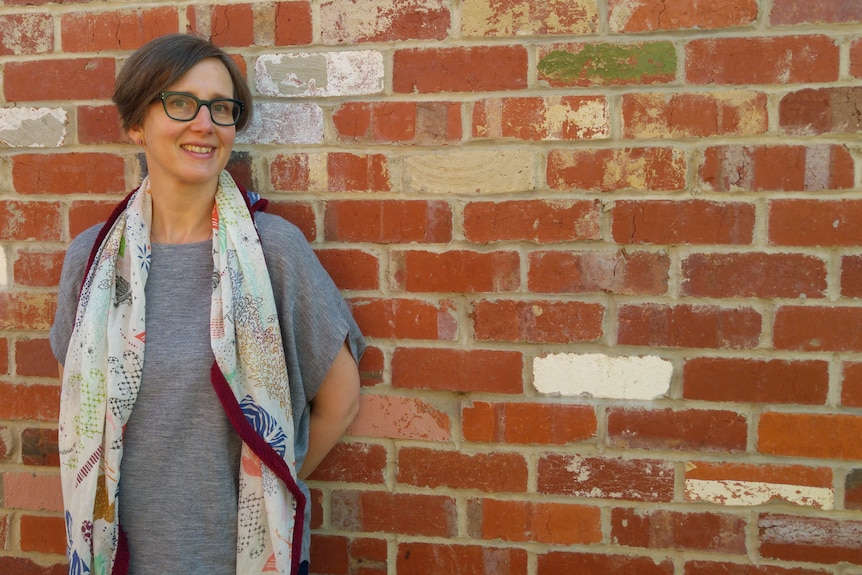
610	64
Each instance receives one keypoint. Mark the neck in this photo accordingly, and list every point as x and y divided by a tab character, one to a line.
181	216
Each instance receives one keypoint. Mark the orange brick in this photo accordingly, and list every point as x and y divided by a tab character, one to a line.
488	472
827	436
474	370
293	25
400	513
31	220
651	15
549	523
542	221
77	173
404	318
471	69
608	170
645	222
527	423
350	269
756	381
43	534
75	79
417	558
116	30
38	269
537	321
388	221
34	402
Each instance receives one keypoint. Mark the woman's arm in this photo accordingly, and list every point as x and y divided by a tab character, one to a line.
332	409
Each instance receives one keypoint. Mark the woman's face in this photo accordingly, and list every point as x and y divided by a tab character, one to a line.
188	154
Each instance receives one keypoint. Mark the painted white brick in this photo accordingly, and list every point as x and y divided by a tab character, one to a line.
599	375
351	73
751	493
274	123
32	127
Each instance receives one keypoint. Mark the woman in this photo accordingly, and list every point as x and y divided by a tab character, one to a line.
208	362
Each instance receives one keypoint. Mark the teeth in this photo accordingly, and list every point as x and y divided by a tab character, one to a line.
198	149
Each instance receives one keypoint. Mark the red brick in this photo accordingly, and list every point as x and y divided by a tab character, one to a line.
371	367
29	220
681	430
689	326
350	269
42	534
329	554
356	173
558	562
851	385
30	402
536	118
776	60
815	223
853	490
756	381
397	318
622	272
388	221
474	370
290	173
606	478
24	34
99	125
75	79
423	558
4	356
609	170
488	472
810	539
300	214
607	64
537	321
353	463
315	504
540	221
392	21
528	423
851	276
827	436
782	168
817	328
695	222
27	311
753	275
660	115
420	123
116	30
368	549
293	25
398	417
77	173
86	213
24	566
404	514
856	59
821	111
30	356
715	568
38	269
662	529
650	15
32	491
549	523
4	534
820	12
457	271
39	446
232	25
470	69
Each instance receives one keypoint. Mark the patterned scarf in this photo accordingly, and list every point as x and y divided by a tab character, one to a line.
102	376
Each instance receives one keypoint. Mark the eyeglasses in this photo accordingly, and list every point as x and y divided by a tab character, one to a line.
184	107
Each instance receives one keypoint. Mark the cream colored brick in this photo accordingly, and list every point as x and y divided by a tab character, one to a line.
32	127
275	123
599	375
349	73
492	172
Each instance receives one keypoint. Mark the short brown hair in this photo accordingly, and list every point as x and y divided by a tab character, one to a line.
161	62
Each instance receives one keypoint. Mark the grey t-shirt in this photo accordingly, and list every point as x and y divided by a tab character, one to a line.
178	484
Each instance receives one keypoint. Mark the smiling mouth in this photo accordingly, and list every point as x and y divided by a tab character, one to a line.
198	149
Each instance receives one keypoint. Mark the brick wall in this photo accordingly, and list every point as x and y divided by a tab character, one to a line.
607	254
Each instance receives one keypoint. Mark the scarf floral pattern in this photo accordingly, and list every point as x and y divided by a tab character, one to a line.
102	376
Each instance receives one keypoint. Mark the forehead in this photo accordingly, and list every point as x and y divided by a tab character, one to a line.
207	79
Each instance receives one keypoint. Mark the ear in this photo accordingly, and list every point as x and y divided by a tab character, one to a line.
136	134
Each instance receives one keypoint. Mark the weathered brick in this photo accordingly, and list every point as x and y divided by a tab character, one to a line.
417	558
758	275
368	551
827	436
527	423
747	485
99	125
602	376
651	15
388	221
456	271
621	272
549	523
470	172
353	463
30	357
606	478
811	539
395	417
371	367
488	18
293	23
661	115
22	34
608	170
401	513
689	326
77	173
600	64
557	562
698	430
537	321
474	370
84	214
350	269
358	172
853	490
695	222
716	568
4	356
399	318
817	328
7	448
293	172
68	79
116	29
24	566
34	402
772	60
662	529
232	25
821	111
851	276
815	223
276	123
330	74
39	446
4	534
541	221
43	534
851	385
488	472
38	269
756	381
27	310
821	12
329	553
536	118
32	491
23	127
353	21
467	69
418	123
784	168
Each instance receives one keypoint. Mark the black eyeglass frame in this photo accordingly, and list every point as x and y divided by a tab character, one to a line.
240	106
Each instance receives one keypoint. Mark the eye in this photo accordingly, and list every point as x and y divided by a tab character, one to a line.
225	108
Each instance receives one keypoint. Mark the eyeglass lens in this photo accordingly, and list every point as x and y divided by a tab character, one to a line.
185	107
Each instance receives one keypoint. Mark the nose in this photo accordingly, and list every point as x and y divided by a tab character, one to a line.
203	120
